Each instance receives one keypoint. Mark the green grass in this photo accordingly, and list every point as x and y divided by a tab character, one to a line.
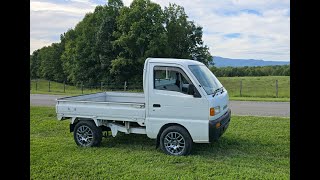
253	88
262	87
251	148
42	87
260	99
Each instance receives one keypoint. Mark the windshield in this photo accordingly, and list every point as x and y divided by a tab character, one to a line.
206	78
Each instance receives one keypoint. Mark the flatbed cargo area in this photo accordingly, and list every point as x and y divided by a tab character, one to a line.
118	106
117	97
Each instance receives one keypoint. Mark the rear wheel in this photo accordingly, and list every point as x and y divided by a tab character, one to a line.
176	141
87	134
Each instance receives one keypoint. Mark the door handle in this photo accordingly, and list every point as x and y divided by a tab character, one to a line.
156	105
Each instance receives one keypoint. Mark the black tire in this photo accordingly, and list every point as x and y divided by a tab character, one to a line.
87	134
173	138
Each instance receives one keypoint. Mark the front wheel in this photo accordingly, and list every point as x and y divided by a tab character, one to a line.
175	140
87	134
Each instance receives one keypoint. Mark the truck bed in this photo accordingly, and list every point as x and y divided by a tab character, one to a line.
118	106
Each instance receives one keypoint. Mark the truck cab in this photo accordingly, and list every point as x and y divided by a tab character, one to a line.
185	93
183	103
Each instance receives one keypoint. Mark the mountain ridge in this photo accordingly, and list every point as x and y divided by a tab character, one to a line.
224	62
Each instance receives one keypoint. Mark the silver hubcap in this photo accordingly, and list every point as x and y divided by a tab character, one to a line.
84	135
174	143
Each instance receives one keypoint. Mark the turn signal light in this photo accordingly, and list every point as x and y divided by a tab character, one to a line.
211	111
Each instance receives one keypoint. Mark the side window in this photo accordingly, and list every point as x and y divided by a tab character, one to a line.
171	79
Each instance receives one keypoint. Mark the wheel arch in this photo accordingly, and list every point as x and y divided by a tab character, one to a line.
165	127
76	120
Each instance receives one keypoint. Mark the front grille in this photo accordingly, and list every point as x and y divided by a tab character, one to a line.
224	107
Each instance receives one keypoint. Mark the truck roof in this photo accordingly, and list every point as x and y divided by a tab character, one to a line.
184	62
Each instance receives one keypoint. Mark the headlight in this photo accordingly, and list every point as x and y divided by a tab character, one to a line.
217	110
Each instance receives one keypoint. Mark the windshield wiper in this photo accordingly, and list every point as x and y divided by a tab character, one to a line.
215	91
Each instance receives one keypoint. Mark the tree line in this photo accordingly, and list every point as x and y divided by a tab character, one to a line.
112	43
277	70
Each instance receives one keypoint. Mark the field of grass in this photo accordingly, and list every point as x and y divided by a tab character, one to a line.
263	86
42	87
251	148
259	99
253	88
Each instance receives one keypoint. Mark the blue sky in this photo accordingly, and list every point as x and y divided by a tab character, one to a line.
247	29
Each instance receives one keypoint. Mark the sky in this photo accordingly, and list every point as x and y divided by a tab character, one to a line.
241	29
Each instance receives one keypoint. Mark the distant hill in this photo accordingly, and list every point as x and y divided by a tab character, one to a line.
224	62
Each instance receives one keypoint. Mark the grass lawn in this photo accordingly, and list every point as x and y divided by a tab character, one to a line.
251	148
262	87
253	88
42	87
259	99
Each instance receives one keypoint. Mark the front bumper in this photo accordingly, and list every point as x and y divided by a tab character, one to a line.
214	132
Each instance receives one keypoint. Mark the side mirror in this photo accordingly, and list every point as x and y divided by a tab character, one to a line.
192	90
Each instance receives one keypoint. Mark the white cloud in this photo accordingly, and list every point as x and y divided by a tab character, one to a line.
265	35
127	2
35	43
74	7
48	20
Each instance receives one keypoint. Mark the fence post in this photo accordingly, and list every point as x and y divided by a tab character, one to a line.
82	87
64	86
241	88
101	86
125	86
30	85
36	84
276	88
49	86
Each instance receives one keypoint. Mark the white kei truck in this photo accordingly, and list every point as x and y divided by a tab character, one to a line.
183	103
